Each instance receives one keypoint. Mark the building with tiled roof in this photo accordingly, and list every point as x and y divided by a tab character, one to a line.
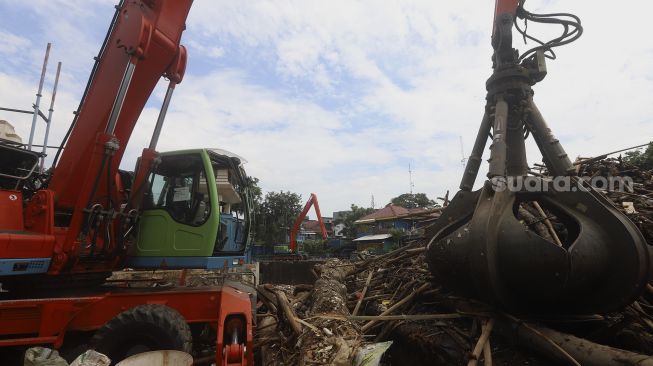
378	228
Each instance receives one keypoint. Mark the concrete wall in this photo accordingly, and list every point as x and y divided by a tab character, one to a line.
287	272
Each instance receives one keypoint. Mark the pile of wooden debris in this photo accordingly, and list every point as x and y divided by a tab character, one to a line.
394	298
635	201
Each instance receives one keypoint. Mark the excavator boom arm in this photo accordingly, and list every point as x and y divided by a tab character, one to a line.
143	45
312	201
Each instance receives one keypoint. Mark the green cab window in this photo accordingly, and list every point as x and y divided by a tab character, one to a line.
179	186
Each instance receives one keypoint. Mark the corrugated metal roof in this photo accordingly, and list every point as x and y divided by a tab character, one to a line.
373	237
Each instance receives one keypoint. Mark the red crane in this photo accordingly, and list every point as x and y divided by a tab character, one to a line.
312	201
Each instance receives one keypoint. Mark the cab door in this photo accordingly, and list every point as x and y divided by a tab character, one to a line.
181	215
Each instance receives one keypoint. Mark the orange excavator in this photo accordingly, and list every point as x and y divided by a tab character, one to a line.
65	230
77	223
312	201
85	218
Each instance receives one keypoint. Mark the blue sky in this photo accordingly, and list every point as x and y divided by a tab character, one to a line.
338	97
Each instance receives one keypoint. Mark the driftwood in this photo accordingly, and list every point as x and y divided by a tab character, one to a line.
362	296
266	334
265	294
584	352
548	223
532	221
301	288
405	317
291	317
399	300
337	339
482	341
398	305
301	297
487	353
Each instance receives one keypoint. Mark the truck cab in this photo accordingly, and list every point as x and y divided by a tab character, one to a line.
196	212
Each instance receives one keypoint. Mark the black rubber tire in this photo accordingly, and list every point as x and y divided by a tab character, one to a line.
143	328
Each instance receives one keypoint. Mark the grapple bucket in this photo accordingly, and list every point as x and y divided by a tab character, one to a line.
482	249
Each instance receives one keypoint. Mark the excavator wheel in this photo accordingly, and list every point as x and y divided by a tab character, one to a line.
140	329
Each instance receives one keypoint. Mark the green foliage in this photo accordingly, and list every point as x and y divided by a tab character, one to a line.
348	220
394	246
396	237
314	247
255	191
256	195
413	200
275	216
396	233
251	184
641	158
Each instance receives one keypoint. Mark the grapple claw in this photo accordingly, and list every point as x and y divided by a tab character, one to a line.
603	265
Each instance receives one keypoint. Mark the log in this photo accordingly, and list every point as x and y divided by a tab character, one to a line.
291	317
537	225
409	317
394	307
301	288
266	330
338	339
487	354
364	265
583	352
266	295
547	222
413	317
482	340
300	298
360	300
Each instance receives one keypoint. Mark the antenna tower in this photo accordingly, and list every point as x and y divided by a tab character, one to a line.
463	159
410	179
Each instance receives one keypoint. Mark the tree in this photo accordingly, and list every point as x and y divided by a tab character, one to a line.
349	218
276	215
314	247
256	197
413	200
254	191
642	159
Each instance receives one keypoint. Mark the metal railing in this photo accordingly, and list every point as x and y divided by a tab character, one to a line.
36	111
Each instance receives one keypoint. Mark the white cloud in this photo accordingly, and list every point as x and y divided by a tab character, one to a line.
12	44
356	89
213	52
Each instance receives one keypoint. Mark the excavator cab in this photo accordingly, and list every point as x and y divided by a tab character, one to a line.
195	213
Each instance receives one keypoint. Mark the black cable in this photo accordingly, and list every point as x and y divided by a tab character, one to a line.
97	179
110	204
571	25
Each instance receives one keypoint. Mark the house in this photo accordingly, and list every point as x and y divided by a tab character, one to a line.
339	229
379	243
377	229
310	229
